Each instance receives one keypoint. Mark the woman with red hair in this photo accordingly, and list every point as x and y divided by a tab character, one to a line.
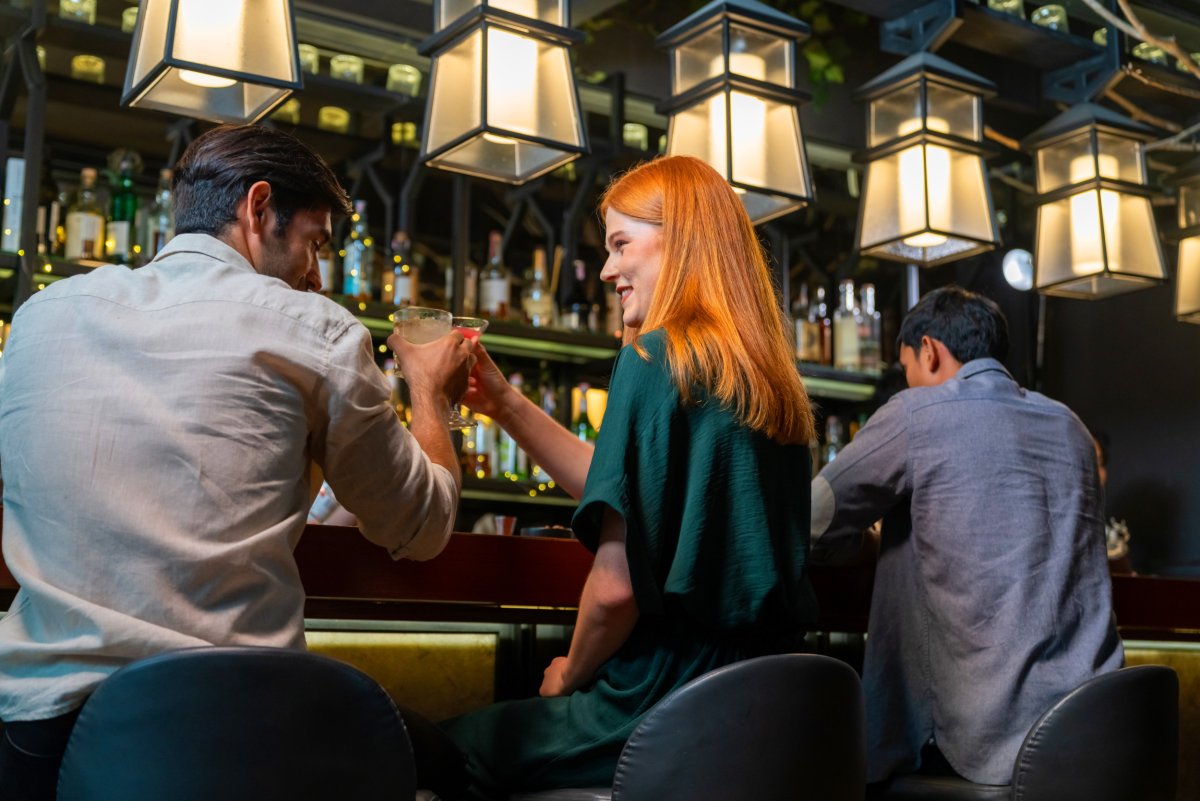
694	501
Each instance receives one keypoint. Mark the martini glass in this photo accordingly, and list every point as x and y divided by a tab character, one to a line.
471	328
420	325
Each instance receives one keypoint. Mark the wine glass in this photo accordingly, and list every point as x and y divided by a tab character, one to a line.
419	325
471	328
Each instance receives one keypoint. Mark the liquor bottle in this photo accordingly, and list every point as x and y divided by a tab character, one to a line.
495	283
581	424
870	330
614	324
480	444
358	256
14	194
845	329
833	439
325	268
85	220
536	302
818	315
405	278
577	308
808	330
120	240
49	214
160	223
546	398
514	465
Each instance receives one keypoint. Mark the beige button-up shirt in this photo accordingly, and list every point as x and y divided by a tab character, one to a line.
157	429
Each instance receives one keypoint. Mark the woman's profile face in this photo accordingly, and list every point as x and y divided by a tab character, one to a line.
634	255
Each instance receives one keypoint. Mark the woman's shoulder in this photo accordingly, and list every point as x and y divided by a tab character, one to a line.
641	368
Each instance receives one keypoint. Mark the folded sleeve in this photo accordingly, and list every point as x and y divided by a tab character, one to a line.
403	501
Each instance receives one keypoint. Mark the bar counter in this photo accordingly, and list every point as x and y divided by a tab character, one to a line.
488	578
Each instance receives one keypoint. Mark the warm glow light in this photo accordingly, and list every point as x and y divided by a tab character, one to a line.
512	72
924	178
204	30
205	80
1095	219
748	122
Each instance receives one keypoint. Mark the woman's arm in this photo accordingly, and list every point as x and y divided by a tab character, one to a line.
555	449
607	614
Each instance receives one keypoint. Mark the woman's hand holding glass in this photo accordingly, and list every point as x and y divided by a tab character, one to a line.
487	387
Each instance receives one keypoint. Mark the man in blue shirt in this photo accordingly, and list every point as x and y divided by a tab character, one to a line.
992	598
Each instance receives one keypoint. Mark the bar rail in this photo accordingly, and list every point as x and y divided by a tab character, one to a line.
488	578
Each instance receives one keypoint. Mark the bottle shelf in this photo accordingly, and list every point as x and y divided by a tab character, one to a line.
1011	37
499	490
823	381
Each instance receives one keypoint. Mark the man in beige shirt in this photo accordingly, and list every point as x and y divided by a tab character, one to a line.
158	427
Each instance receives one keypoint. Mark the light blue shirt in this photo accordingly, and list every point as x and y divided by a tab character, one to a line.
157	429
992	598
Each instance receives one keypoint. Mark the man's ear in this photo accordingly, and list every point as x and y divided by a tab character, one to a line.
258	208
930	357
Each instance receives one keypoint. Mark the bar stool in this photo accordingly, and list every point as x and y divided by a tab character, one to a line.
237	723
1114	738
775	728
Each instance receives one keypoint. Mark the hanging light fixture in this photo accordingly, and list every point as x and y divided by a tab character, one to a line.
220	60
734	102
502	101
926	199
1187	277
1095	231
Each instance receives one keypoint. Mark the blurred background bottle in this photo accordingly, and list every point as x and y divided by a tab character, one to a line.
581	424
358	255
833	439
577	307
536	303
870	331
405	279
85	220
845	329
160	221
120	237
808	330
495	282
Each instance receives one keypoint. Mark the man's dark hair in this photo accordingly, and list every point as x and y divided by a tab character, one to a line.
217	170
969	325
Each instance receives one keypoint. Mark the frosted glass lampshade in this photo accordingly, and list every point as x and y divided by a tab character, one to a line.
925	199
734	103
221	60
1096	235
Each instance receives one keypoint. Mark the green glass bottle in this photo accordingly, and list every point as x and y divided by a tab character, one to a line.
581	424
123	205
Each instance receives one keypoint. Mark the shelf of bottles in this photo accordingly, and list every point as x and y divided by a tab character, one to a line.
838	345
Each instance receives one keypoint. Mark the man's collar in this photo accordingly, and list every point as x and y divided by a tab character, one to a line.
207	245
977	366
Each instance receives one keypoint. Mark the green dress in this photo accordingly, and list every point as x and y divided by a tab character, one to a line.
717	524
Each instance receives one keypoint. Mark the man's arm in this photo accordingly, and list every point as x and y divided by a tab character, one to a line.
404	496
855	490
436	373
607	614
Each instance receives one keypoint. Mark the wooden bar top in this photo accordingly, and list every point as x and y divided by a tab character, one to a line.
489	578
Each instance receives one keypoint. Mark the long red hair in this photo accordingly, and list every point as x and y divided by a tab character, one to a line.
725	327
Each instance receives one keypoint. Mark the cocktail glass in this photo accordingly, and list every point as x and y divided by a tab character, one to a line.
420	325
471	328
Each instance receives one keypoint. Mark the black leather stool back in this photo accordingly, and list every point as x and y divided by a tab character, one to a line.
238	723
1114	738
776	728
